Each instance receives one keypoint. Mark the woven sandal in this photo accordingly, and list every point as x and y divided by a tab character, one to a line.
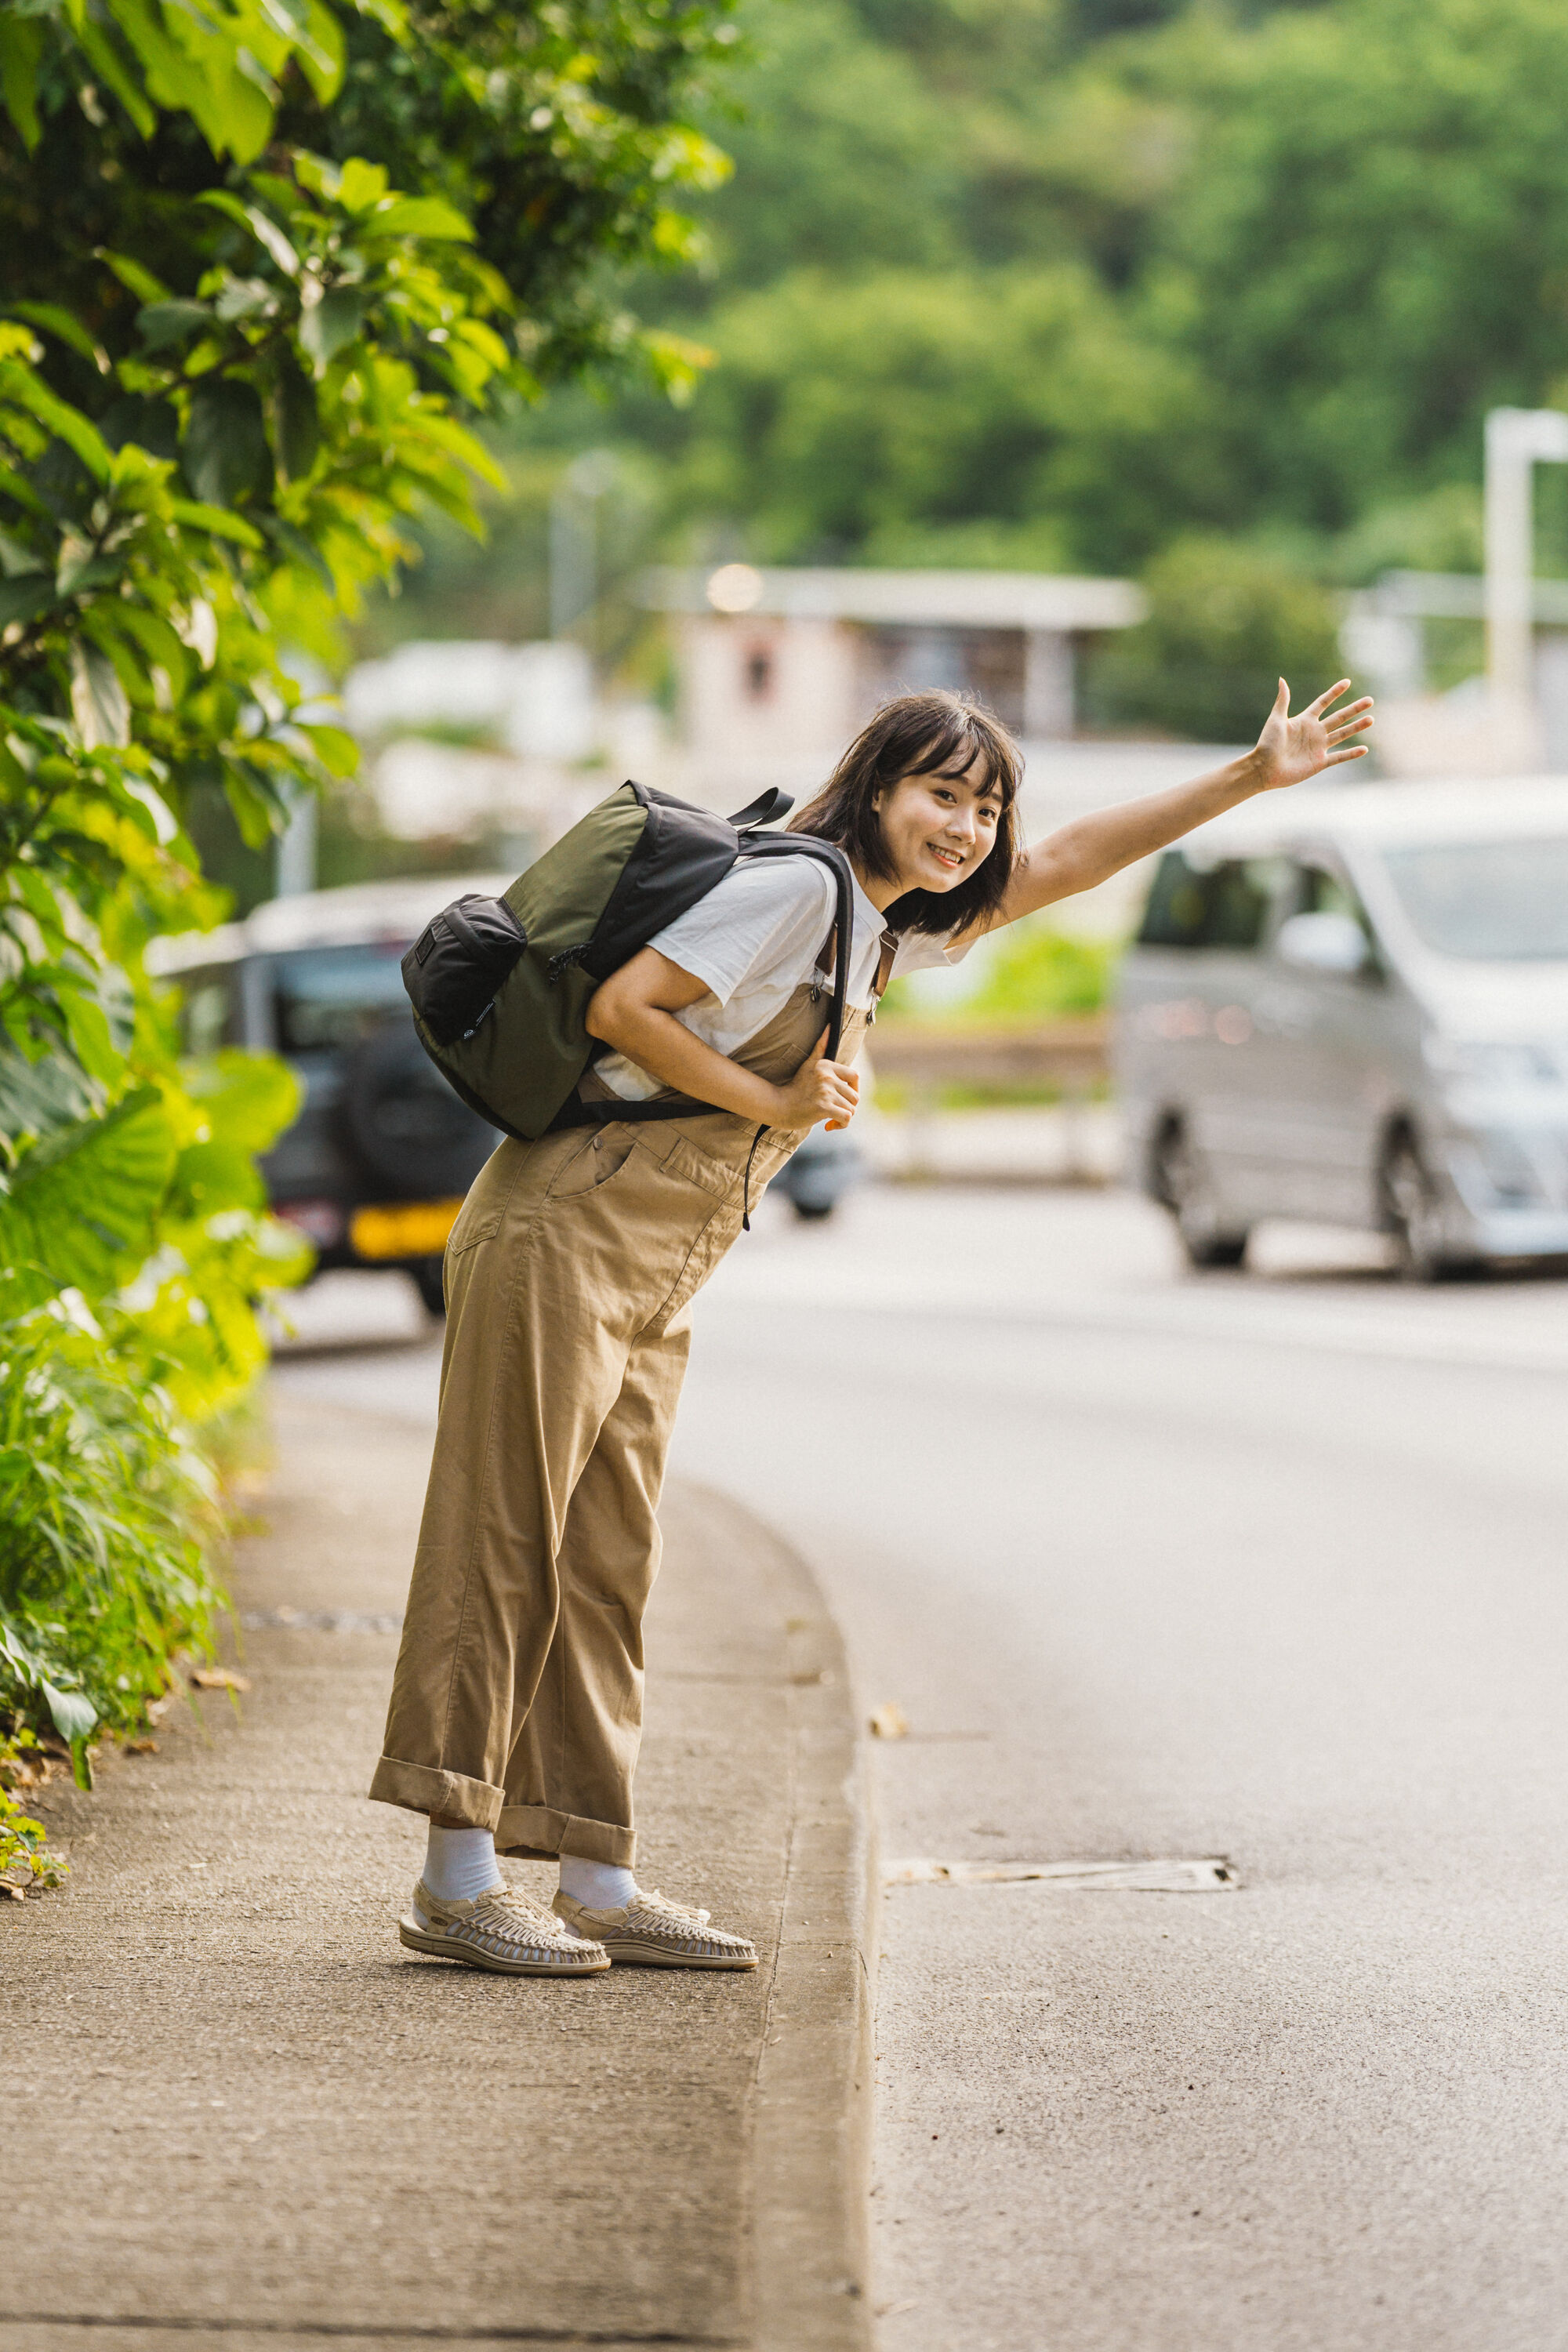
650	1933
502	1931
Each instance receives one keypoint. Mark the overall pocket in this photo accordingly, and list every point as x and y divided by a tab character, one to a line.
600	1157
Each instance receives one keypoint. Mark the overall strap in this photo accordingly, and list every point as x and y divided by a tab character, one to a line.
887	951
828	854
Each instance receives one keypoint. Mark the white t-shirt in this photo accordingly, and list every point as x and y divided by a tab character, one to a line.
753	940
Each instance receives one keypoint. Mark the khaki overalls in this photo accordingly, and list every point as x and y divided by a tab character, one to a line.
517	1702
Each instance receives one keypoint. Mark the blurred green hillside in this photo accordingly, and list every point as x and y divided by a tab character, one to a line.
1218	293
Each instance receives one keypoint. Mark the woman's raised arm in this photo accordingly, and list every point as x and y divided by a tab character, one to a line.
1092	848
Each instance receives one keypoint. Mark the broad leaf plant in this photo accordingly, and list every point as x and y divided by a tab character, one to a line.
237	358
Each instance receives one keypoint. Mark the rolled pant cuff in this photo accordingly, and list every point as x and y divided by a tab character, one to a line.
538	1833
424	1788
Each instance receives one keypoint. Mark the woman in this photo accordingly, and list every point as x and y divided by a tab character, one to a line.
517	1704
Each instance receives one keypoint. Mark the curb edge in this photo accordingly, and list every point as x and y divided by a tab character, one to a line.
813	2118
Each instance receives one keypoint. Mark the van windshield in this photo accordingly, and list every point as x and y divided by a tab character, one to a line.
329	998
1487	901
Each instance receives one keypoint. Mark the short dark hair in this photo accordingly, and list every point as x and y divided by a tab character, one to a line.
935	733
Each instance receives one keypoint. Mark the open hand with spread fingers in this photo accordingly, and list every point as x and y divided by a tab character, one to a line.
1291	749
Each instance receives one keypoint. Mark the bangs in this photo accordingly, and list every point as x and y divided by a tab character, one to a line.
954	749
930	734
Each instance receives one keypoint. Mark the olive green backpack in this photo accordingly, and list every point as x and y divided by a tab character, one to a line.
500	986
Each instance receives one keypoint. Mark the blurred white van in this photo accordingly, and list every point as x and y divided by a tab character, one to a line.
1348	1003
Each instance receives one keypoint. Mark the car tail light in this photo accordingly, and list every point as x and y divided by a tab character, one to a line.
321	1222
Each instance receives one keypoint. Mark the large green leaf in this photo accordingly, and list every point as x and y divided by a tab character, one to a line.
333	323
247	1099
82	1204
162	323
296	421
69	328
417	216
225	451
28	389
37	1097
21	47
99	703
151	424
24	596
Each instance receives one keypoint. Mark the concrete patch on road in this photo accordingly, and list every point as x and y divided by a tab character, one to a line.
1205	1877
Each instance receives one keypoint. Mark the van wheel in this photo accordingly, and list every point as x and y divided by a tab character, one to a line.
1184	1184
1409	1213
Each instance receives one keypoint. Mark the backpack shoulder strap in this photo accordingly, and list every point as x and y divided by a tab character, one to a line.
828	854
575	1112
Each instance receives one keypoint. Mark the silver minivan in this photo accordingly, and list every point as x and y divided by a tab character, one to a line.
1348	1004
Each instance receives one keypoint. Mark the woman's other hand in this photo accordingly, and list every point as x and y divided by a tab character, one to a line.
1291	749
820	1089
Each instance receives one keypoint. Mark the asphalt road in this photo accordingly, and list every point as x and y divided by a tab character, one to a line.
1269	1568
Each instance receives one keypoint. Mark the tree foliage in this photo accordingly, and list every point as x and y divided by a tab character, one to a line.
870	416
1370	241
1307	247
269	263
1227	621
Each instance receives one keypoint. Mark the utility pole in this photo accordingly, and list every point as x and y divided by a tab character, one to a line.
574	537
294	866
1517	440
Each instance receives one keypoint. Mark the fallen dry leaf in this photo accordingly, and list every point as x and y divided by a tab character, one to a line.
889	1722
17	1893
218	1678
140	1748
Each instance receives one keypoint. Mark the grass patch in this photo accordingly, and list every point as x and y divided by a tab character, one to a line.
1041	974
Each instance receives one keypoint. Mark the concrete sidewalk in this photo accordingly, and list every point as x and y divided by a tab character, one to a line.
239	2111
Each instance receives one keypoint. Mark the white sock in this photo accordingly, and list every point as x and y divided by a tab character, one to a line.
460	1864
597	1885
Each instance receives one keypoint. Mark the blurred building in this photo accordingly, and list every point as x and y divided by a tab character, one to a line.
529	699
479	742
503	747
1389	637
778	669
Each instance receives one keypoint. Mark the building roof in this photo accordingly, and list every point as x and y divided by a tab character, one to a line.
939	600
1454	595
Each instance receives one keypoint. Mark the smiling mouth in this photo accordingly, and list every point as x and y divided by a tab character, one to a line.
949	857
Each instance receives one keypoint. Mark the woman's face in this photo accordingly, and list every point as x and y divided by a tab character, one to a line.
938	828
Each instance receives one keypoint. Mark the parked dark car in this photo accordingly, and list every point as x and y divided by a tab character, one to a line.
375	1169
